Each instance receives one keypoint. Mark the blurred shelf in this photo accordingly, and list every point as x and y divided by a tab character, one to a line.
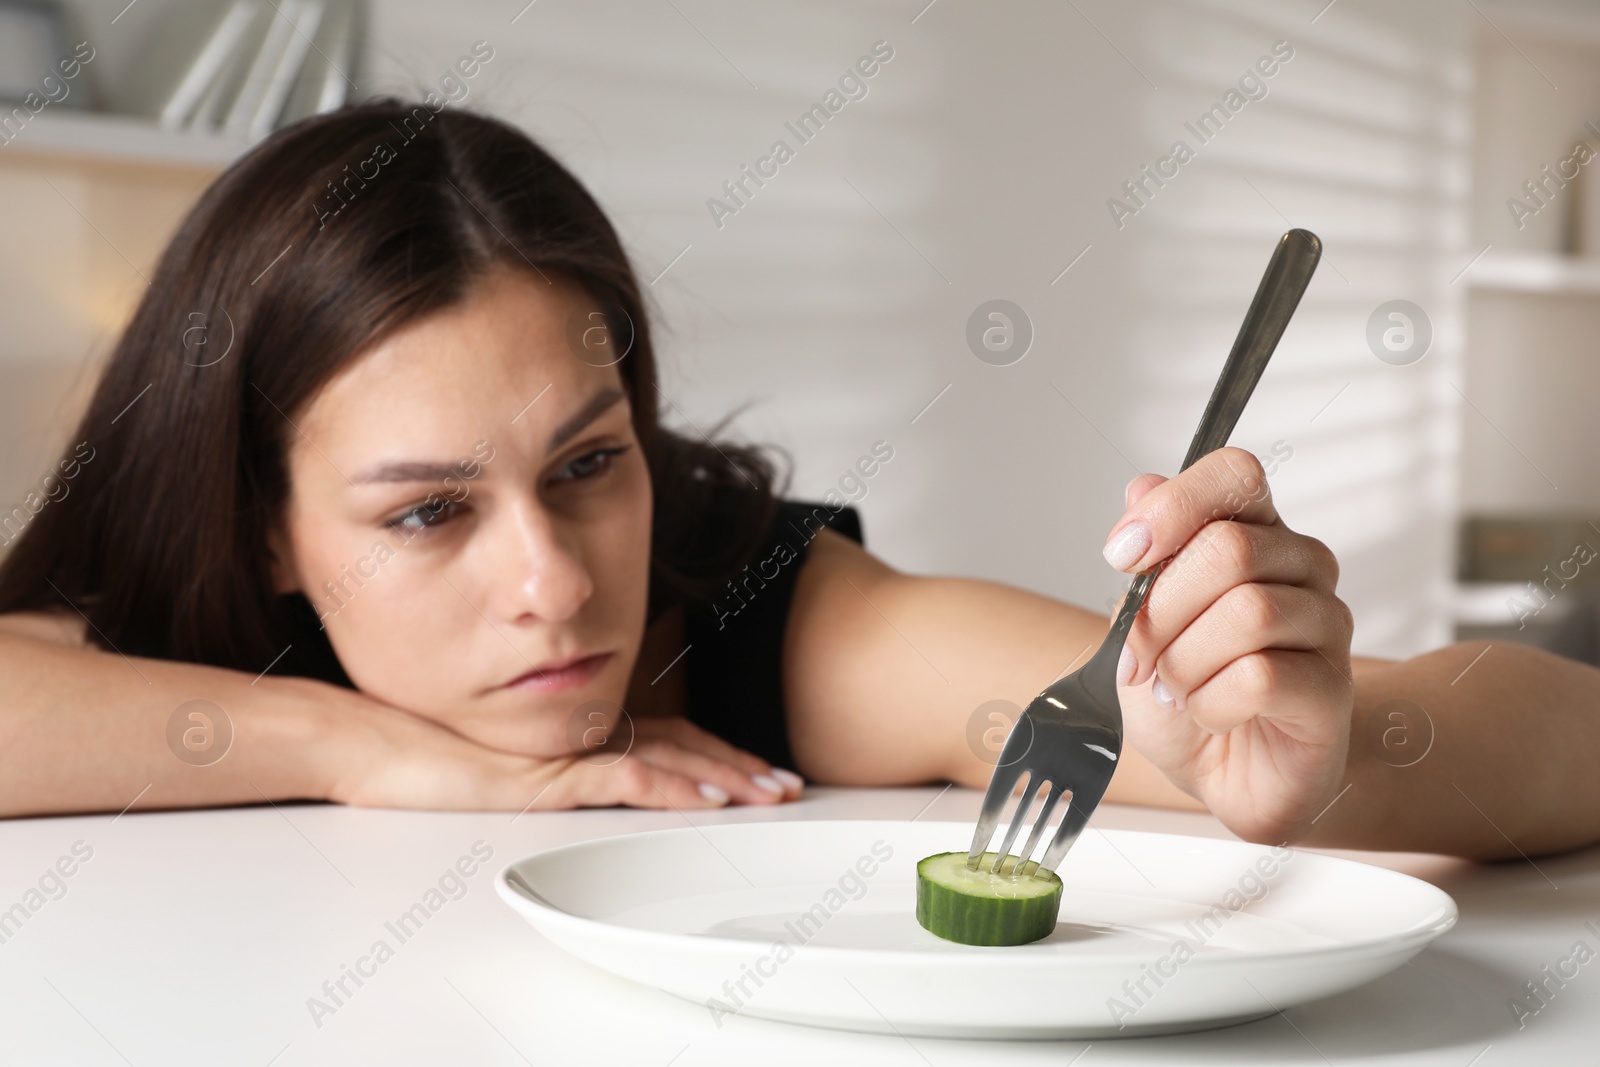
1489	603
1536	272
1565	621
100	138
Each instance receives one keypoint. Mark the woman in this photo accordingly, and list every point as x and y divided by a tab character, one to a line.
375	484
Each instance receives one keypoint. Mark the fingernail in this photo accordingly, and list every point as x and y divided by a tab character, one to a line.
769	784
715	794
1159	690
1127	666
789	778
1127	491
1128	546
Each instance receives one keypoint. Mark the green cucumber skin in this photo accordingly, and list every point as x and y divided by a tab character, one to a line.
991	921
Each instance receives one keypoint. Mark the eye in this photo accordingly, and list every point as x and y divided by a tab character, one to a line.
423	516
590	465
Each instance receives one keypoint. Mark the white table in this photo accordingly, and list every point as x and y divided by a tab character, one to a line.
198	937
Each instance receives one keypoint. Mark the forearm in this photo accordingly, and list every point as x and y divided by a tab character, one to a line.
84	730
1510	771
896	678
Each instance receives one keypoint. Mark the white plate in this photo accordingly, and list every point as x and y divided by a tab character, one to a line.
1157	933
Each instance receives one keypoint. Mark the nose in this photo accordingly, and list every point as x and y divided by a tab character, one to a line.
536	566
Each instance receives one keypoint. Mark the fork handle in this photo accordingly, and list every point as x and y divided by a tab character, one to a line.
1284	283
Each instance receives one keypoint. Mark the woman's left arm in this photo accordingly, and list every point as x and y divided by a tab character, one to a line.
1240	691
887	674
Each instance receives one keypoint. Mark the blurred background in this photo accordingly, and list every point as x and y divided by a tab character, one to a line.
1428	414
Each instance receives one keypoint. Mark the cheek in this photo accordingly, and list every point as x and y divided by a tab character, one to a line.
619	536
393	625
401	637
617	542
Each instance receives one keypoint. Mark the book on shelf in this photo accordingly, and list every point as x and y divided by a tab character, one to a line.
324	81
182	61
248	66
277	63
211	111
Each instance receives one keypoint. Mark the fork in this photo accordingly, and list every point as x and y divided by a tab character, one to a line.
1070	735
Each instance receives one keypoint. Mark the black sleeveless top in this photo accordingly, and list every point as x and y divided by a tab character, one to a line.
735	643
735	657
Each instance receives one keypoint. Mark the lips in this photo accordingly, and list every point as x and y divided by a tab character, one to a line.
563	674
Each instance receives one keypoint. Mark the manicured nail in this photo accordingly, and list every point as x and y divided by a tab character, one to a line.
769	784
715	794
789	778
1159	690
1127	666
1128	546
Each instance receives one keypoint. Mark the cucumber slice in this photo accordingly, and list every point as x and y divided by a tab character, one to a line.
976	907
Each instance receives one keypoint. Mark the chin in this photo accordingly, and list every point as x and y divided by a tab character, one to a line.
549	726
537	734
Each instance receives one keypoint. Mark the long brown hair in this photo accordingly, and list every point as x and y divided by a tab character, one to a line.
320	242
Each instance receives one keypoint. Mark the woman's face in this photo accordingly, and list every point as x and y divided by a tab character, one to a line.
470	513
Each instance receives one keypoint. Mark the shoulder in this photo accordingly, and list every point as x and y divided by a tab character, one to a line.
52	627
835	554
806	518
852	665
836	557
840	592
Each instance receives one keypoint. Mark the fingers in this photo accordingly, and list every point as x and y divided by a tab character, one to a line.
673	763
686	734
668	788
397	759
721	778
1161	518
1245	620
1289	688
770	782
1228	560
1137	488
631	781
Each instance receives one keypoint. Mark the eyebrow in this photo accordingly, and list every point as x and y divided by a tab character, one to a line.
593	409
436	471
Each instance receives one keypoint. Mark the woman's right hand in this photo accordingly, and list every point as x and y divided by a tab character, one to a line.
381	756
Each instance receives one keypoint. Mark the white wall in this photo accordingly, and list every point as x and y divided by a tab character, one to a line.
1531	437
990	144
978	167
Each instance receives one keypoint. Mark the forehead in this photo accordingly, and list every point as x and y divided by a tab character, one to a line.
465	373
